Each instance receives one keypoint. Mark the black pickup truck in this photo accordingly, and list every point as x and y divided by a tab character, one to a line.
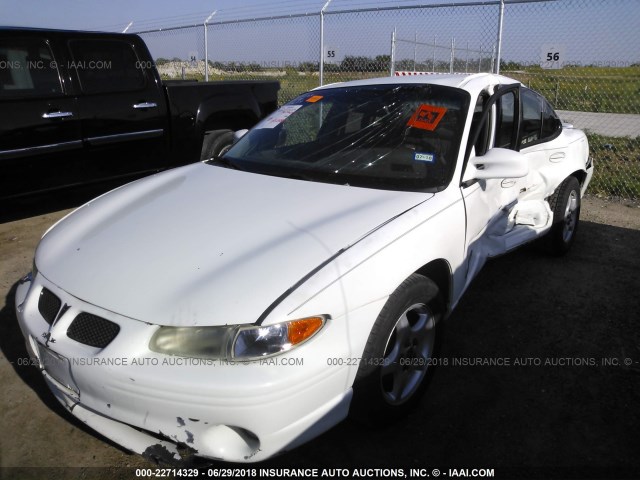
81	107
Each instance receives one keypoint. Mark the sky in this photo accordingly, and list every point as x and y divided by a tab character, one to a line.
588	31
88	14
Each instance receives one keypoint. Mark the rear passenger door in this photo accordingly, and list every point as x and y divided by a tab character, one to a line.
541	142
40	137
122	107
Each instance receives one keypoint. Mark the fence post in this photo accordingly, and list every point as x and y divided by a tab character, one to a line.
415	49
206	47
493	59
453	47
499	40
466	66
480	60
392	69
433	63
321	71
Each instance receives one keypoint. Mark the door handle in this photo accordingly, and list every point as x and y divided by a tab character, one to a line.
57	114
556	157
138	106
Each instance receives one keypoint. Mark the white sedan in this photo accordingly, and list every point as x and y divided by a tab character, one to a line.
236	308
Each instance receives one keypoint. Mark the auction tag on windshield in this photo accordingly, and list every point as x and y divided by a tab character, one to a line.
314	99
424	157
427	117
279	116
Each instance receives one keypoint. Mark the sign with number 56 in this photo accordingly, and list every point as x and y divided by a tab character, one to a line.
552	56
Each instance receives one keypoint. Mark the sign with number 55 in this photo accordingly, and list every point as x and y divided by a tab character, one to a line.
552	56
330	55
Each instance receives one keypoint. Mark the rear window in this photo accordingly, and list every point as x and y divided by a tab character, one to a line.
106	66
27	69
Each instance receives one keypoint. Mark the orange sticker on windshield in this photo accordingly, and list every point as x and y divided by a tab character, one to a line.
427	117
314	99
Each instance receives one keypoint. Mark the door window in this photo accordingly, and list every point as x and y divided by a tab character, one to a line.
551	124
27	69
505	124
482	143
531	118
107	66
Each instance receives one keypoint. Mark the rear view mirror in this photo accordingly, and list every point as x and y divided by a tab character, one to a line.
500	163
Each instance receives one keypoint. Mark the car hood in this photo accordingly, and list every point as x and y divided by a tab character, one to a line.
205	245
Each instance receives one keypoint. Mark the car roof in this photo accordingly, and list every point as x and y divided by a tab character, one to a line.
470	82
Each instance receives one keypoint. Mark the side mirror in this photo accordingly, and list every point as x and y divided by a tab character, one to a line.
500	163
239	134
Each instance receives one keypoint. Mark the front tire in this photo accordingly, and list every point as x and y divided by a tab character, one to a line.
565	204
395	367
216	143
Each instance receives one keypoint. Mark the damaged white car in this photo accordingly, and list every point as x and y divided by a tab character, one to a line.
236	308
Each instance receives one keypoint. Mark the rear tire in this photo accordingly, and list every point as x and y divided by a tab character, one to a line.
396	363
216	143
565	205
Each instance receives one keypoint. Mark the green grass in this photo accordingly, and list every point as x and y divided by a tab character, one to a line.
616	166
588	89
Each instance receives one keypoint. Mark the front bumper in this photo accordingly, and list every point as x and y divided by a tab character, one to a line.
163	407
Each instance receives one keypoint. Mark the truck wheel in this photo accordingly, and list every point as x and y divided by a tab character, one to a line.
216	143
565	204
396	364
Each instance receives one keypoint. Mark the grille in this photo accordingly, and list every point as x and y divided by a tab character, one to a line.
48	305
92	330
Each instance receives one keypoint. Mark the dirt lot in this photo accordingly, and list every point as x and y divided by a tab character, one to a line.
576	418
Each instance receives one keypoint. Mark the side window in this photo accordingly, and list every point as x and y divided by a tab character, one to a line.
106	66
505	121
27	69
531	118
481	144
505	107
551	124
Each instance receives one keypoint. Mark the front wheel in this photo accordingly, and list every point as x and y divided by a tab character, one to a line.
216	143
565	204
398	355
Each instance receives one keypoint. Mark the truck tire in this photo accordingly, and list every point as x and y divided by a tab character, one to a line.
216	143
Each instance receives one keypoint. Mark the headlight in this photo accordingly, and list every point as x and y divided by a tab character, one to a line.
235	341
200	342
256	342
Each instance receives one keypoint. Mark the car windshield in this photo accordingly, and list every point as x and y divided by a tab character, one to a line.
396	137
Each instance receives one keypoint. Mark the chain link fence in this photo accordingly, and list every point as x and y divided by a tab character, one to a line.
582	55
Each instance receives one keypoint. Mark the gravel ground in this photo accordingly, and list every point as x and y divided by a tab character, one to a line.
573	415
